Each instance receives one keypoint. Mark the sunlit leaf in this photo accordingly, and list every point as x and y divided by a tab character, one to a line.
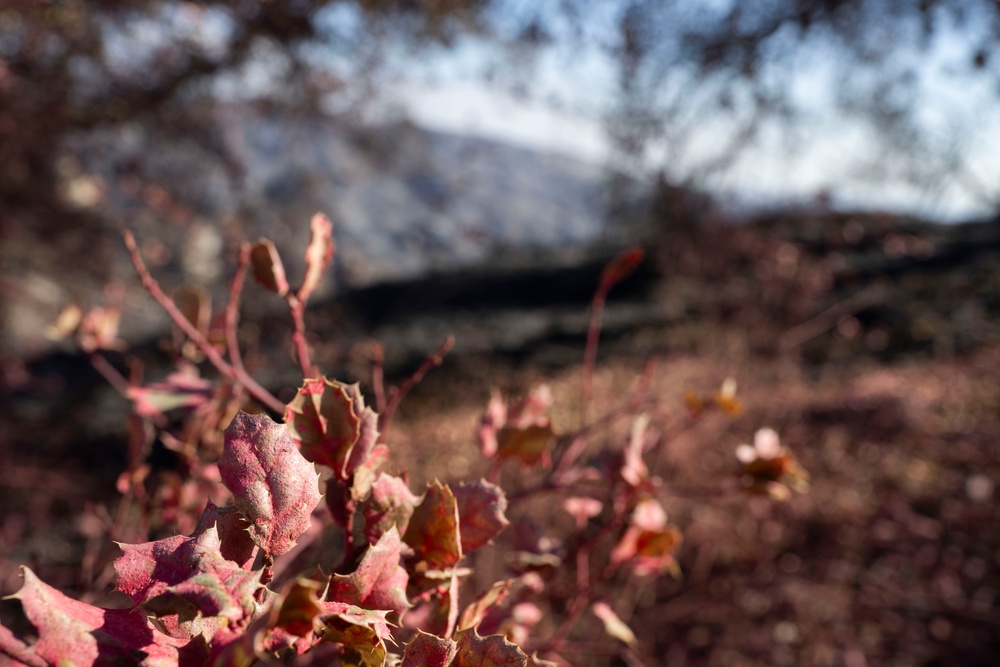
379	581
391	503
492	651
474	614
76	633
433	531
481	507
275	488
428	651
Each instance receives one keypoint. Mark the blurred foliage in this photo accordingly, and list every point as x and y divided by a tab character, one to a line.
70	66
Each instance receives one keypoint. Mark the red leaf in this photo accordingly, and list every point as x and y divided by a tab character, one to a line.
379	582
362	630
75	633
234	533
187	576
649	542
275	488
267	267
300	607
433	532
319	254
332	425
428	651
391	503
492	651
481	507
18	651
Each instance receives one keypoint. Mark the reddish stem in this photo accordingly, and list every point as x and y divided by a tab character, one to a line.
399	392
590	352
233	307
296	308
238	376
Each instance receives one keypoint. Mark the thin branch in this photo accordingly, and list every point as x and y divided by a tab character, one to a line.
238	376
233	307
296	308
399	392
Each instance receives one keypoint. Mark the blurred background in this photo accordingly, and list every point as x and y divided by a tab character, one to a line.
816	184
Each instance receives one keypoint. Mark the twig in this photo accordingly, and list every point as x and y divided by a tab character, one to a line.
831	317
233	307
238	376
399	392
296	308
110	373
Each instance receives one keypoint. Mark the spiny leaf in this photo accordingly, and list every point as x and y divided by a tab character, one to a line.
76	633
428	651
391	503
433	532
333	427
363	631
379	582
186	576
300	607
481	507
234	533
275	488
267	267
492	651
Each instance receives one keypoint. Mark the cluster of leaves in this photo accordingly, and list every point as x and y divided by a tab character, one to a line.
243	586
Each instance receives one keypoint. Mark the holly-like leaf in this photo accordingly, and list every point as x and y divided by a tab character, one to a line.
267	268
319	254
332	425
476	612
391	503
362	631
428	651
481	507
379	582
187	576
76	633
493	651
275	488
433	531
235	543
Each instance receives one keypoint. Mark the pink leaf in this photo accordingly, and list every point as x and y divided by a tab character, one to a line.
18	651
319	254
492	651
187	576
75	633
267	267
582	509
178	390
391	503
433	532
614	626
275	488
379	582
234	533
634	470
481	507
428	651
